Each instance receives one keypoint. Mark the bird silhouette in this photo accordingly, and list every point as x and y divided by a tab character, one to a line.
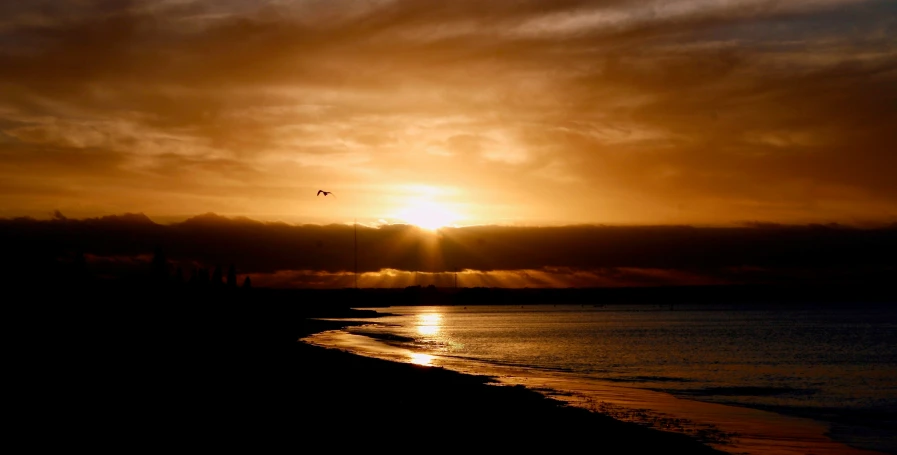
326	193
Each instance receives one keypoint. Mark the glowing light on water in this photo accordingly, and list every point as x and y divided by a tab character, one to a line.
429	323
421	359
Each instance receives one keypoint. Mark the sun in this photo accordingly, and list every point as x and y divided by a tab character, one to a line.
427	214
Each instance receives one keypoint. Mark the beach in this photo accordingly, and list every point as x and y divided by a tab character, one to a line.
232	375
213	375
614	226
217	371
272	390
701	370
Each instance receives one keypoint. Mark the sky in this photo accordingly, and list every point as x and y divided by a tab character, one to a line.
518	143
511	113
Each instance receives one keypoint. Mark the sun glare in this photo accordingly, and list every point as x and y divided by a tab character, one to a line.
428	324
421	359
427	214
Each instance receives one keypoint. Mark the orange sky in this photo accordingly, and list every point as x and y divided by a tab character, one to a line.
466	112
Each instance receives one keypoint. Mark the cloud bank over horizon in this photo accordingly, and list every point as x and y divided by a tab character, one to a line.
503	112
323	256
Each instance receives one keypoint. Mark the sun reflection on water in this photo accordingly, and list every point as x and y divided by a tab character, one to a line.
428	324
421	359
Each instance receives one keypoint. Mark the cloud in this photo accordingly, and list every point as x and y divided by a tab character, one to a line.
632	112
552	277
282	254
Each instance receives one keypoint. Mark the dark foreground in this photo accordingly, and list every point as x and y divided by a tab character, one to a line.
231	376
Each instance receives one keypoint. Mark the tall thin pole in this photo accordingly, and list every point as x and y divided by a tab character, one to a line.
356	252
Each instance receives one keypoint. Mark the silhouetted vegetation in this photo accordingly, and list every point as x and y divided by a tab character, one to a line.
217	277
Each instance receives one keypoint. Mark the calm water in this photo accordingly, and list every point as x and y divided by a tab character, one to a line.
700	370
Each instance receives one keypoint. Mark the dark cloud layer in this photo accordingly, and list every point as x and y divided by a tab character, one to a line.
315	255
633	111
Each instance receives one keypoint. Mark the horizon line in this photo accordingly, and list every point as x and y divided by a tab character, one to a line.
168	220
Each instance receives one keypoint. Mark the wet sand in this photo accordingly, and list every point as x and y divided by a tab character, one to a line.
368	402
239	378
732	429
215	377
128	367
222	375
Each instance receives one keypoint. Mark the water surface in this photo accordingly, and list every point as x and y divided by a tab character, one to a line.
747	379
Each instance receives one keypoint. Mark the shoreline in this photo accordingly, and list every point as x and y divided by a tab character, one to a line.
483	413
230	372
224	375
815	433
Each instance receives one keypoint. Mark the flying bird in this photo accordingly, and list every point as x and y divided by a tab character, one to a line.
326	193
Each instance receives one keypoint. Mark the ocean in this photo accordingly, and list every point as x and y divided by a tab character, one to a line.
787	379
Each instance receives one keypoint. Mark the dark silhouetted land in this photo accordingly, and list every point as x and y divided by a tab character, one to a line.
170	359
222	369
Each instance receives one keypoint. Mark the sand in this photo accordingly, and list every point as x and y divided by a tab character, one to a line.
289	391
232	376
